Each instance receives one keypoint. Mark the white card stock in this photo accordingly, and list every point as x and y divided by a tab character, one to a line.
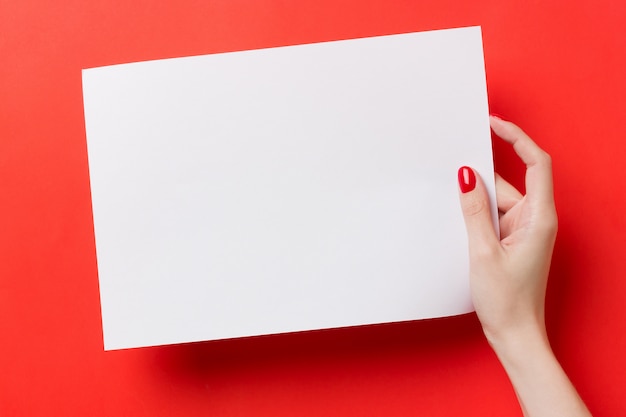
285	189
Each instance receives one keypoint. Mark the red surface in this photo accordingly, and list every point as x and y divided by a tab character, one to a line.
555	67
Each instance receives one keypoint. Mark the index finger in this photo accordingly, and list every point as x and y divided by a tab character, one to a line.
539	185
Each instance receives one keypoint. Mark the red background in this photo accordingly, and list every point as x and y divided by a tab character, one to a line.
556	68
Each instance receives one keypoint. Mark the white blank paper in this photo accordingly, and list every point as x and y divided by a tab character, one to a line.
285	189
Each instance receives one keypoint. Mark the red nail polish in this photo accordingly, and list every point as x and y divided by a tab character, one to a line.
467	179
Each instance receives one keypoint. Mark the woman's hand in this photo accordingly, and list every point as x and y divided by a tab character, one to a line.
509	272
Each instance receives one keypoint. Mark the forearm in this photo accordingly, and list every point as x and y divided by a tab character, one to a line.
541	385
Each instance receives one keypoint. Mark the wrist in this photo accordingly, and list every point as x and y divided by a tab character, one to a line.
524	351
537	377
515	345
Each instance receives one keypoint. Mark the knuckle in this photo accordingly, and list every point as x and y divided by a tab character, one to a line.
549	223
552	224
545	159
474	206
483	253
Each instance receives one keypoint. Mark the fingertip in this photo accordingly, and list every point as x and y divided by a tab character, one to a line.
496	121
467	179
504	129
475	208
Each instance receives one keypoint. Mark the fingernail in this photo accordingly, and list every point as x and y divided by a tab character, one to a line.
496	115
467	179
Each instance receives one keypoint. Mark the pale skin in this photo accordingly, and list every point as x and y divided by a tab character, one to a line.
508	277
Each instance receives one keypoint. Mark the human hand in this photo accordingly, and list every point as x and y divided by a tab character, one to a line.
509	273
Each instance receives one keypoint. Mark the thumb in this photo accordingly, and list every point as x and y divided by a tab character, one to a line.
476	212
